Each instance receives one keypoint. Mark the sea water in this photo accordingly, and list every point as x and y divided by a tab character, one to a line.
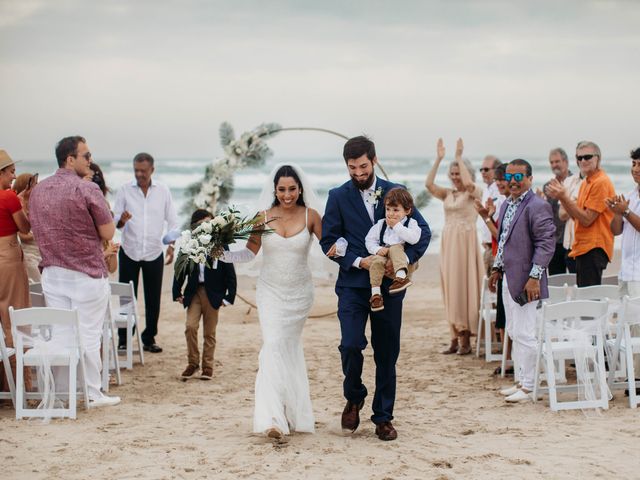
324	173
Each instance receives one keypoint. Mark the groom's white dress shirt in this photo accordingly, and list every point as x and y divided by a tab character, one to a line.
370	209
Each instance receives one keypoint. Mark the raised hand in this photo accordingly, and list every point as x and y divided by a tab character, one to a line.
491	207
481	209
617	204
459	148
556	190
440	150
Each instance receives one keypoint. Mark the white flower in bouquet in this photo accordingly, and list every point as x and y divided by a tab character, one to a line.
205	239
206	227
219	221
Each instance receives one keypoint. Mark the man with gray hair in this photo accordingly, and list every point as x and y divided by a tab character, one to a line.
593	244
487	170
559	163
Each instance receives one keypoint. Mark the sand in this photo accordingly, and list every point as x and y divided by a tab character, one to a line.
451	421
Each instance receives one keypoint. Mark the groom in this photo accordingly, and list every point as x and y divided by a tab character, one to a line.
351	211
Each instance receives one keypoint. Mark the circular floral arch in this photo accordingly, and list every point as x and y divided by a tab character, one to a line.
250	150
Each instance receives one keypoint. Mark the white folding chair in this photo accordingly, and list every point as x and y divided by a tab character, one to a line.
486	322
45	352
556	295
125	314
5	354
110	360
561	279
555	338
35	287
610	280
623	347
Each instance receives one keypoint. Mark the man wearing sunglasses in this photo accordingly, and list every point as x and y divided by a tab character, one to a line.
526	244
593	243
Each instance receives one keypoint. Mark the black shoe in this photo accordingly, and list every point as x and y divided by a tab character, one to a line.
122	347
153	348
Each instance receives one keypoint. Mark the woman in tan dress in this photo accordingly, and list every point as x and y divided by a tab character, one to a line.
460	258
14	287
30	249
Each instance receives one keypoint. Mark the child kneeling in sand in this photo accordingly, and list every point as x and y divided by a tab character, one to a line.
208	288
386	239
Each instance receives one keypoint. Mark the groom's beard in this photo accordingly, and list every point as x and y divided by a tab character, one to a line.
364	184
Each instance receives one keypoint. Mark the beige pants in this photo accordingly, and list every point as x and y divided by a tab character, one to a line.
398	259
200	307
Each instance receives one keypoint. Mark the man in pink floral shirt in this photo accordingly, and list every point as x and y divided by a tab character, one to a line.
70	219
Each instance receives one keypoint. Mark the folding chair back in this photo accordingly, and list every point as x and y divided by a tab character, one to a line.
486	320
624	346
561	279
610	280
5	353
557	294
596	292
124	309
554	338
47	351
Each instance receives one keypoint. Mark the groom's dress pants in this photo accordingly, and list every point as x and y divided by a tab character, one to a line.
353	312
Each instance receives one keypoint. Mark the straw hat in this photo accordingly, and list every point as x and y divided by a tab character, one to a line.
5	160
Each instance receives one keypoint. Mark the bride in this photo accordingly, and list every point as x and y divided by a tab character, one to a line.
284	295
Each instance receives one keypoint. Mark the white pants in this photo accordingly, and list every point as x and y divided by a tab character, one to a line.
69	289
521	327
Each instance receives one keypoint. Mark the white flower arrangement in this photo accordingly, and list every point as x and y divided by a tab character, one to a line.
207	241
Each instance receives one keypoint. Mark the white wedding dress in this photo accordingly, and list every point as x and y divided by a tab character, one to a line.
284	295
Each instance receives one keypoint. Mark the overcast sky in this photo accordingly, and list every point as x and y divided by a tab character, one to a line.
514	78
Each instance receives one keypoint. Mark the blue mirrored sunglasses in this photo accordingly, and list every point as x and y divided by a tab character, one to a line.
518	177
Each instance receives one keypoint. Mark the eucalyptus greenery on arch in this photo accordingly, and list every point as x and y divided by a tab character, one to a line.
249	150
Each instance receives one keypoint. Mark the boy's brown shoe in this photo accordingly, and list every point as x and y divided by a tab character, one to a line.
399	285
189	372
376	303
207	373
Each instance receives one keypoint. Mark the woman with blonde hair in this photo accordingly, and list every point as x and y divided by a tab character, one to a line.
32	258
460	259
14	287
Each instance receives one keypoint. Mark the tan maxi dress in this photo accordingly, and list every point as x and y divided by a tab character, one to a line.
461	262
14	290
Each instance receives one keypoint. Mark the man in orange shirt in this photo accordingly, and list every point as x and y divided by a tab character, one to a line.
593	245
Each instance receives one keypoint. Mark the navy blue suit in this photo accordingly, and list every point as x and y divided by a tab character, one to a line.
346	216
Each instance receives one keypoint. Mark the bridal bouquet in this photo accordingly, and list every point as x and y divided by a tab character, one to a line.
206	241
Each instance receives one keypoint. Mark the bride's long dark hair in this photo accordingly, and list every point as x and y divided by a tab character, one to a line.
289	172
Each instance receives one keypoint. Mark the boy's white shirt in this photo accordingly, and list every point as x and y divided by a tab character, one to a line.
399	234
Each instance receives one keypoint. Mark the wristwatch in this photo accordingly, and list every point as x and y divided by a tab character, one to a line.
626	213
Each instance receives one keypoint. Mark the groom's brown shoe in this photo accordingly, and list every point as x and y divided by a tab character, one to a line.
351	416
386	432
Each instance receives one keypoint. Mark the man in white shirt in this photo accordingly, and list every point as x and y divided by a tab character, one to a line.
142	209
626	221
487	170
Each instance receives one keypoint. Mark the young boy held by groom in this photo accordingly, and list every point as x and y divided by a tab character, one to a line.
208	288
386	239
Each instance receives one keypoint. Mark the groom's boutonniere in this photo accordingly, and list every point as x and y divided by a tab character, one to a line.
374	197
